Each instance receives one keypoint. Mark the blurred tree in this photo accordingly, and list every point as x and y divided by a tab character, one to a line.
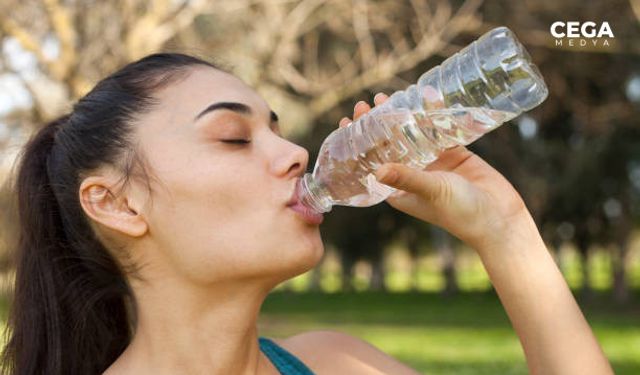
573	159
306	57
443	244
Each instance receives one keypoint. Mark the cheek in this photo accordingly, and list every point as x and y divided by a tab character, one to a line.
221	219
211	218
207	245
211	240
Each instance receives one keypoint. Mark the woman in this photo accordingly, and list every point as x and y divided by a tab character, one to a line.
157	215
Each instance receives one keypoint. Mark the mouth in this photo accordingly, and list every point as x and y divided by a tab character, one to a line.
305	213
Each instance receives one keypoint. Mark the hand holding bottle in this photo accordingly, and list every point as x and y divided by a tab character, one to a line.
459	192
463	194
482	86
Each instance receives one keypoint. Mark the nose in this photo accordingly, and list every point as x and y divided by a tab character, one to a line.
292	160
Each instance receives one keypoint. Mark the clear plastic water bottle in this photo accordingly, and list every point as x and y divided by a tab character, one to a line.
487	83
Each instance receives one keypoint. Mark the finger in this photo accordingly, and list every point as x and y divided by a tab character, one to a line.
360	109
344	122
429	185
450	159
380	98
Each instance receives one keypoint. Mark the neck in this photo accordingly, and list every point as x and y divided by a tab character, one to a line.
186	330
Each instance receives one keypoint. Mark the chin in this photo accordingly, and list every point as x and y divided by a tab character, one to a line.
304	257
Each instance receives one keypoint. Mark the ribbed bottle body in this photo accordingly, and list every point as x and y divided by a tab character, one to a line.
487	83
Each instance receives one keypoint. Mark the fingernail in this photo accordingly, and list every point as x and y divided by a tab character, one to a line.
378	96
357	104
386	175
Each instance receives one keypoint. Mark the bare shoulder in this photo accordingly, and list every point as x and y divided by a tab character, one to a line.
332	352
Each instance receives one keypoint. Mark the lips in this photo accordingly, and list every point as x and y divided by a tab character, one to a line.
305	213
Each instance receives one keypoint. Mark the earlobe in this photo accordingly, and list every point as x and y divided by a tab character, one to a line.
133	223
109	210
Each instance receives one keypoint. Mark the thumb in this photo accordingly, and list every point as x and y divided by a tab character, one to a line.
431	185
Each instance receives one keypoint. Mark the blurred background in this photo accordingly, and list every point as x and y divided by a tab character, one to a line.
407	287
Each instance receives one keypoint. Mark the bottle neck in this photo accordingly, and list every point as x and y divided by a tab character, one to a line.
312	195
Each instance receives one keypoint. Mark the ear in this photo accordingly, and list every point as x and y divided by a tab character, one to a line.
119	213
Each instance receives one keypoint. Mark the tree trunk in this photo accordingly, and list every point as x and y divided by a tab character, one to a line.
586	291
442	243
582	241
410	237
620	288
623	227
316	277
376	282
347	264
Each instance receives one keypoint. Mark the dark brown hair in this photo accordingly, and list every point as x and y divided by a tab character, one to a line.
68	313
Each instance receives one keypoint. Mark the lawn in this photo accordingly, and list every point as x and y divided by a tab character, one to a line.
465	334
468	333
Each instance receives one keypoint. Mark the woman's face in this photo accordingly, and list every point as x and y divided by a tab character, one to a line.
219	211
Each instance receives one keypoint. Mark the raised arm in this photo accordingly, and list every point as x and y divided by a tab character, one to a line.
554	334
464	195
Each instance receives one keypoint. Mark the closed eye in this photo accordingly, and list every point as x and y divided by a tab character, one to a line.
236	141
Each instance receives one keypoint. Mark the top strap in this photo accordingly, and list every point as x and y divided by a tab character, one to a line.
283	360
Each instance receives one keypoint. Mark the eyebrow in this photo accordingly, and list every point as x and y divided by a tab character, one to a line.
235	107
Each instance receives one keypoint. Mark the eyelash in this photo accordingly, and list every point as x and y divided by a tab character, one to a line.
236	141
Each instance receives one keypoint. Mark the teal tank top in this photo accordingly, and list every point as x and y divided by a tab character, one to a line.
284	361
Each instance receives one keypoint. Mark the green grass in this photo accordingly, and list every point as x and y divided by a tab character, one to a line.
468	333
465	334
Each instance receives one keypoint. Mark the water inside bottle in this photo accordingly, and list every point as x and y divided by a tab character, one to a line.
350	155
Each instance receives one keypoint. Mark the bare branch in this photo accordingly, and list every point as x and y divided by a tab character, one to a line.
363	34
442	29
635	5
293	21
160	24
63	26
26	40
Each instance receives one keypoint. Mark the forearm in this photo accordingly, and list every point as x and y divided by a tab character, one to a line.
553	331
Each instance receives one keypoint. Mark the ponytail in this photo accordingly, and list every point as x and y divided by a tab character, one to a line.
62	320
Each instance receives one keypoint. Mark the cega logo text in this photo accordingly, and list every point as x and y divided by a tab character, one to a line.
581	34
